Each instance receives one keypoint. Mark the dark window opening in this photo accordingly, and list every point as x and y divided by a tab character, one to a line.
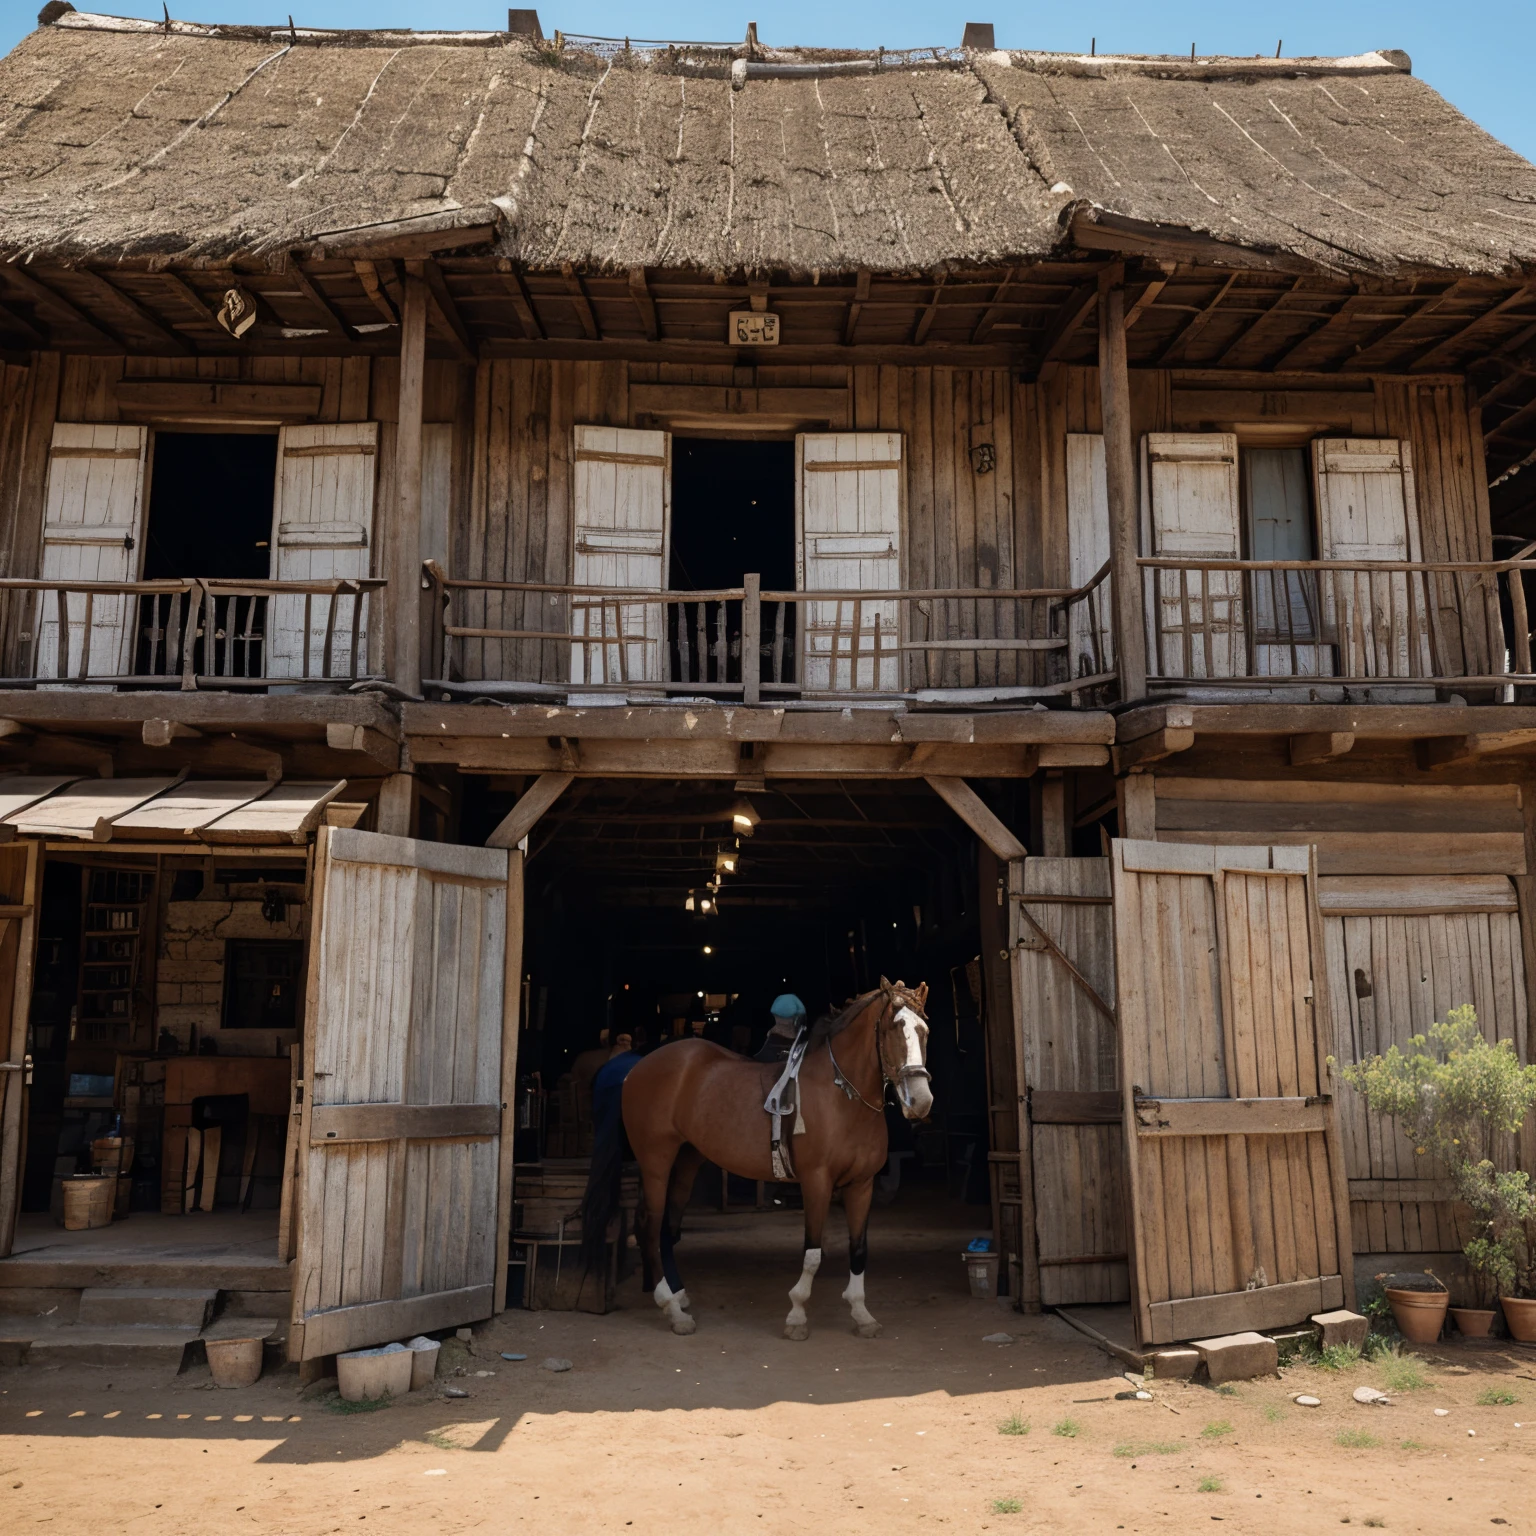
210	516
261	983
1278	525
733	512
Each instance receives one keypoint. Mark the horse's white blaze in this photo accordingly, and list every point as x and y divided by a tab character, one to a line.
802	1288
854	1296
915	1094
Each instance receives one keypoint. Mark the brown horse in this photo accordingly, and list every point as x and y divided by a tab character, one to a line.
694	1101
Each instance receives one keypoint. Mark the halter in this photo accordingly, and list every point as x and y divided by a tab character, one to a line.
907	1070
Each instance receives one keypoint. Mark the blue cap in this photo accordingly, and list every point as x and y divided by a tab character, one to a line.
787	1006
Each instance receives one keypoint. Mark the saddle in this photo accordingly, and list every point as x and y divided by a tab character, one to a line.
783	1101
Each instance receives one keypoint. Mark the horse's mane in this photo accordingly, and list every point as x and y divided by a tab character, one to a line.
831	1024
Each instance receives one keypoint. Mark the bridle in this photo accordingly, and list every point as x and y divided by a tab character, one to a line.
895	1006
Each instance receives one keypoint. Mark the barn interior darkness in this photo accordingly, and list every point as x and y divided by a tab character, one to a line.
733	511
210	505
837	884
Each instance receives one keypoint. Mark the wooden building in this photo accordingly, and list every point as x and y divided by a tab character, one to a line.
1103	482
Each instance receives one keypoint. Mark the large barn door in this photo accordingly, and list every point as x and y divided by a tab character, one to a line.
409	1052
1238	1195
623	534
848	539
322	530
92	531
1064	971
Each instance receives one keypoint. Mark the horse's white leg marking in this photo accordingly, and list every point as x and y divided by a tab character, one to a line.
668	1301
795	1325
864	1325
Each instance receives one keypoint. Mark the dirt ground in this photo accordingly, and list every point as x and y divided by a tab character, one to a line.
736	1430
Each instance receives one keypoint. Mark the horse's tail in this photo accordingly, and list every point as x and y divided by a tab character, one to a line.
601	1199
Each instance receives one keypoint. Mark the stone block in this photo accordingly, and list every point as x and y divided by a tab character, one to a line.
1343	1327
1173	1364
1238	1356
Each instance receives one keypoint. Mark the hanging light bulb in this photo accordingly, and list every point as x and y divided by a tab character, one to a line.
725	862
688	905
744	818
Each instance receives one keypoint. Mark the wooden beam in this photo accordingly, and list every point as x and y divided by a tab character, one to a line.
639	291
1228	1117
994	310
1510	424
448	312
978	816
1064	323
341	736
1427	307
395	1122
145	317
580	302
1440	751
1197	324
1319	746
42	293
368	275
522	304
930	312
1152	748
1120	485
521	819
1144	301
1423	360
855	305
189	296
406	670
1258	320
161	733
14	317
331	318
1342	314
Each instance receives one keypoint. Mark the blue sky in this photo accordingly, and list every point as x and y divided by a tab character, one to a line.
1477	53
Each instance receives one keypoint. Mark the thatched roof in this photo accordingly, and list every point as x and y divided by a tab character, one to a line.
122	139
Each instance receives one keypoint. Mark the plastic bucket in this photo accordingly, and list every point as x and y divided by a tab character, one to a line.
364	1375
88	1201
234	1362
981	1271
424	1355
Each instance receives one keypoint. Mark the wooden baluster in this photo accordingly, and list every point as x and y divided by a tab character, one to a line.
856	647
189	639
366	596
85	636
684	651
618	629
1187	641
1207	622
752	638
330	632
876	680
1521	621
778	641
700	641
61	659
720	646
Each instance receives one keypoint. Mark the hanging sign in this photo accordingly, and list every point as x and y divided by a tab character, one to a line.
752	328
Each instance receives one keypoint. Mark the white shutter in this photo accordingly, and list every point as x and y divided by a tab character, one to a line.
1091	622
1366	511
848	539
92	531
623	531
1198	620
322	530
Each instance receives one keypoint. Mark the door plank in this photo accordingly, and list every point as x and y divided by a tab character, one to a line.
395	1122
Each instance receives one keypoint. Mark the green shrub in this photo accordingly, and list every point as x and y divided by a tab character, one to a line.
1497	1397
1208	1485
1356	1439
1403	1373
1068	1429
1338	1357
1128	1449
1006	1506
1014	1424
1216	1429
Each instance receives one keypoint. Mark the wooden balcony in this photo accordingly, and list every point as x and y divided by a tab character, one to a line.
533	639
190	634
1406	627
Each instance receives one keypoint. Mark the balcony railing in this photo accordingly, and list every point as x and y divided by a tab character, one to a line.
1336	624
189	634
542	638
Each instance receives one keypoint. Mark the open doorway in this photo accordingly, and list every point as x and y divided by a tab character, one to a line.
838	885
733	512
210	505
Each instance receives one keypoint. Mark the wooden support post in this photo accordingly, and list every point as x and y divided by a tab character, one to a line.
978	816
397	805
752	639
1152	748
1028	1299
1138	807
1120	483
1055	824
407	529
511	1012
523	817
1318	746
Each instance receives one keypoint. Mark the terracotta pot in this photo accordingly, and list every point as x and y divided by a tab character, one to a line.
1473	1322
1520	1316
1420	1315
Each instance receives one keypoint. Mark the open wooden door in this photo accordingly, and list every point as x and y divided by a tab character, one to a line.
410	1058
1240	1212
20	870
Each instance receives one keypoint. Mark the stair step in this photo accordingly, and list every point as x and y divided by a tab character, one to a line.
139	1306
127	1346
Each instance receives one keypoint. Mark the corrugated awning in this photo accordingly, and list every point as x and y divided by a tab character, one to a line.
214	810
